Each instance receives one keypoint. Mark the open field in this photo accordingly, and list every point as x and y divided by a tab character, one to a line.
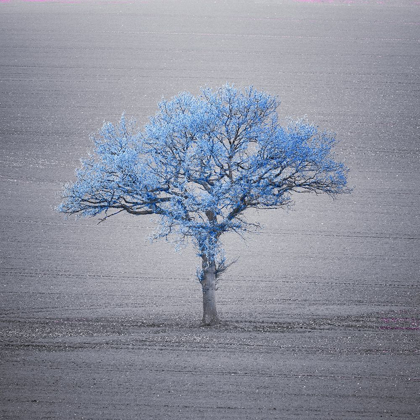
320	314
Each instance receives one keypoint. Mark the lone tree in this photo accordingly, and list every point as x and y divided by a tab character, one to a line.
199	164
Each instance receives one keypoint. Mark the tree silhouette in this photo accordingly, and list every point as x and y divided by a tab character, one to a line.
199	164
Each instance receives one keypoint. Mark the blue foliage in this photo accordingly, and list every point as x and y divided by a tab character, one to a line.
201	162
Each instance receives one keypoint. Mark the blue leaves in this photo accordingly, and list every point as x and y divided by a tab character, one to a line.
202	161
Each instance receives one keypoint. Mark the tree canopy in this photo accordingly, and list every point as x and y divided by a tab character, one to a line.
201	162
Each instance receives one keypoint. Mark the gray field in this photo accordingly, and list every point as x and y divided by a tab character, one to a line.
321	312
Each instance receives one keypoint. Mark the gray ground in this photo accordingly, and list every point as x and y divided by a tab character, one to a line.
321	317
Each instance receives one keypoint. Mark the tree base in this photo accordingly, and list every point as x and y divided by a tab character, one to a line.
210	322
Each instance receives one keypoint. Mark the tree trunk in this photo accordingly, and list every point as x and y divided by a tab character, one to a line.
208	285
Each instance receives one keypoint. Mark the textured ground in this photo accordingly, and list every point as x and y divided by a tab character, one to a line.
321	317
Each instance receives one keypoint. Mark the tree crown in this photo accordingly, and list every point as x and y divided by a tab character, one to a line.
202	161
